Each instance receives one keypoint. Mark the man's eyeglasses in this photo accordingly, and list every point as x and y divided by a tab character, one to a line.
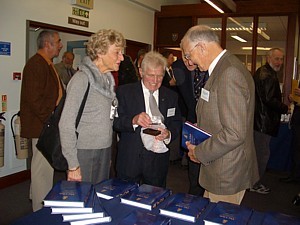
152	76
188	56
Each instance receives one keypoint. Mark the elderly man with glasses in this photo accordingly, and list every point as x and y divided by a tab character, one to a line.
226	110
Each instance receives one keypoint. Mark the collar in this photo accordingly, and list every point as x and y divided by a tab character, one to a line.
45	57
215	61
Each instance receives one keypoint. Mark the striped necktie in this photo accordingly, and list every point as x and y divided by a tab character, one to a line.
200	78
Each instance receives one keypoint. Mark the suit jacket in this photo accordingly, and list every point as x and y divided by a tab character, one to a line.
228	158
185	89
131	103
63	73
39	93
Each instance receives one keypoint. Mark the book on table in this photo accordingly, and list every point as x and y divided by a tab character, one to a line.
276	218
68	194
139	217
184	206
228	213
105	219
98	212
146	196
88	207
114	187
193	134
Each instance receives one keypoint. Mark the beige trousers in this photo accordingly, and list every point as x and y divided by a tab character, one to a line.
235	198
41	177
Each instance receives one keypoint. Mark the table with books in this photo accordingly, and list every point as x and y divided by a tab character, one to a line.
125	203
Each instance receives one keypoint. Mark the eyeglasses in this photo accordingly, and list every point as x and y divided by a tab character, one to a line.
152	76
188	56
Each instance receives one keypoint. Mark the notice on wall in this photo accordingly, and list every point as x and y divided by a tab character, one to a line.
5	48
78	22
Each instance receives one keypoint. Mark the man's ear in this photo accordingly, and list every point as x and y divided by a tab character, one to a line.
141	72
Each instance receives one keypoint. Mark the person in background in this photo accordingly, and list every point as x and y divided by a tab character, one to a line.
294	174
127	72
65	68
41	92
188	80
268	110
144	158
226	110
169	79
138	61
89	154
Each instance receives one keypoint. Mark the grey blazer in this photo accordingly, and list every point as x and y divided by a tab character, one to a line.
228	158
63	73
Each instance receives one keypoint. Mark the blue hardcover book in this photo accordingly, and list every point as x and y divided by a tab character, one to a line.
114	187
276	218
88	207
228	213
193	134
184	206
146	196
98	212
68	194
138	217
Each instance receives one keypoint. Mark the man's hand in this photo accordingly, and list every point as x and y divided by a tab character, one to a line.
191	152
172	82
165	134
142	119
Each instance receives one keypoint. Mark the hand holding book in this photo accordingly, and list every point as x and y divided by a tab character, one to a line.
191	152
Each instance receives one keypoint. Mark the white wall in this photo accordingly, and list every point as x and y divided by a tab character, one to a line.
134	21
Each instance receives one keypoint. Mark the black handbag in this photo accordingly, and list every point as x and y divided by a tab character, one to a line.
49	141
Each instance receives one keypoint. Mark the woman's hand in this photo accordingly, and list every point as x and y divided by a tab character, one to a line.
74	174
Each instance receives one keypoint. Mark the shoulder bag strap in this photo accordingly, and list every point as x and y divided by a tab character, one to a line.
82	105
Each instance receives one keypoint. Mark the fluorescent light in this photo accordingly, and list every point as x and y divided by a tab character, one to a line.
258	48
214	6
238	38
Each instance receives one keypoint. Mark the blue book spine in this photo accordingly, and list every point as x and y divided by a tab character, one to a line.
274	218
138	217
184	206
114	187
230	214
147	195
193	134
68	193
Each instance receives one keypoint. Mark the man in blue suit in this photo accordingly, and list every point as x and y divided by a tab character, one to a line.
135	161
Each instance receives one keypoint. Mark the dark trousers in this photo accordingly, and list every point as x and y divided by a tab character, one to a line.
195	188
150	168
295	127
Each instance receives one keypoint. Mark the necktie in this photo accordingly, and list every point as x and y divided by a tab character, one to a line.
200	79
70	72
171	73
153	106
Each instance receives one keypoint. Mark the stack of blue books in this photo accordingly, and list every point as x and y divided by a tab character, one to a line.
114	188
77	202
184	207
146	196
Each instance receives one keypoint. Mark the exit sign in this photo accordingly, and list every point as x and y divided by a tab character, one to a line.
80	12
88	4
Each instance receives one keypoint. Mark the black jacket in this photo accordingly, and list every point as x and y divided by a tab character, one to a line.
268	101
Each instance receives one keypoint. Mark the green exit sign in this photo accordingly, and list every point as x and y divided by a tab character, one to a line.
80	12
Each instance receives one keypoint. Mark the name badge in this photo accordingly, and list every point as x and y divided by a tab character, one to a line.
113	109
171	112
205	94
